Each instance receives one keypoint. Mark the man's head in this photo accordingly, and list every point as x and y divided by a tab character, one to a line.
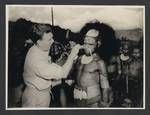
136	53
46	40
106	43
125	49
91	41
43	37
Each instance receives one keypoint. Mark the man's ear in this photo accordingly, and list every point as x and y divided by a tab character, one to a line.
99	43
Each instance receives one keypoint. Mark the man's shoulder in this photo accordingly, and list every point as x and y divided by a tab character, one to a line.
97	58
32	48
34	52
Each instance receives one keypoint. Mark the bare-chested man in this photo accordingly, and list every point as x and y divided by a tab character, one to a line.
123	62
130	70
136	78
92	85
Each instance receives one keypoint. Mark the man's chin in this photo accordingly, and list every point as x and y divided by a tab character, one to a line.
125	54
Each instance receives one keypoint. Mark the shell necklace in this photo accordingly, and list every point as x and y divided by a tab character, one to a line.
87	59
123	57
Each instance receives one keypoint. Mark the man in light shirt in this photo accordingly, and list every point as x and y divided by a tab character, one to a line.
39	71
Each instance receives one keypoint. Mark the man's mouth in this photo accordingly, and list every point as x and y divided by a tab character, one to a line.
88	52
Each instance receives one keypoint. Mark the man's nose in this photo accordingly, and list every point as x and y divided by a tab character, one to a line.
52	40
86	46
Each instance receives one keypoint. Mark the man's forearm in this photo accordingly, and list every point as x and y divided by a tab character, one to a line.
67	67
105	95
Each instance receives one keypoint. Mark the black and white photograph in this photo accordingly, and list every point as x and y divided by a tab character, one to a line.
75	57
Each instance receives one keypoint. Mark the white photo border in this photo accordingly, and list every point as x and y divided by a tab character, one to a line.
72	108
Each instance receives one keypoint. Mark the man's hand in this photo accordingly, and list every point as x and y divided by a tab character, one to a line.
69	82
56	82
75	51
104	104
107	97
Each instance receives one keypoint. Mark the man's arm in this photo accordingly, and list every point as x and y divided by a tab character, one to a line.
104	82
54	71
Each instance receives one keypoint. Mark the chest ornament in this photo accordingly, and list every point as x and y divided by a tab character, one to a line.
86	59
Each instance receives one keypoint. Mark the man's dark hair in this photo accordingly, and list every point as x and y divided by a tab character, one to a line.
109	44
89	26
37	31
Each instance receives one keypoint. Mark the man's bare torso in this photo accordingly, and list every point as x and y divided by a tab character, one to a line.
88	74
135	68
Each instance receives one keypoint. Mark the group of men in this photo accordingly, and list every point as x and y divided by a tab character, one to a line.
93	84
126	76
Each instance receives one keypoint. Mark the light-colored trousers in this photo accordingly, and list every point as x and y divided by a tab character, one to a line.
35	98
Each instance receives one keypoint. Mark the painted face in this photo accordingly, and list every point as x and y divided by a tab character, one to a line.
125	49
47	40
136	53
90	41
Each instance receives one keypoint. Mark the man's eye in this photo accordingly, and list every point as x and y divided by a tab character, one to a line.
91	44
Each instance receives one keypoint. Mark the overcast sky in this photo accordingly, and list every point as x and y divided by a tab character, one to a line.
74	17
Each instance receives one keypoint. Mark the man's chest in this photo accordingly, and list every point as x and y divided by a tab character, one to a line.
135	66
91	67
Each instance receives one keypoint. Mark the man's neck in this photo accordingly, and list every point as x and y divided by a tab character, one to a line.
136	59
41	47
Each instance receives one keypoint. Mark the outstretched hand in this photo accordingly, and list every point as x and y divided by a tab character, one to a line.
75	51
